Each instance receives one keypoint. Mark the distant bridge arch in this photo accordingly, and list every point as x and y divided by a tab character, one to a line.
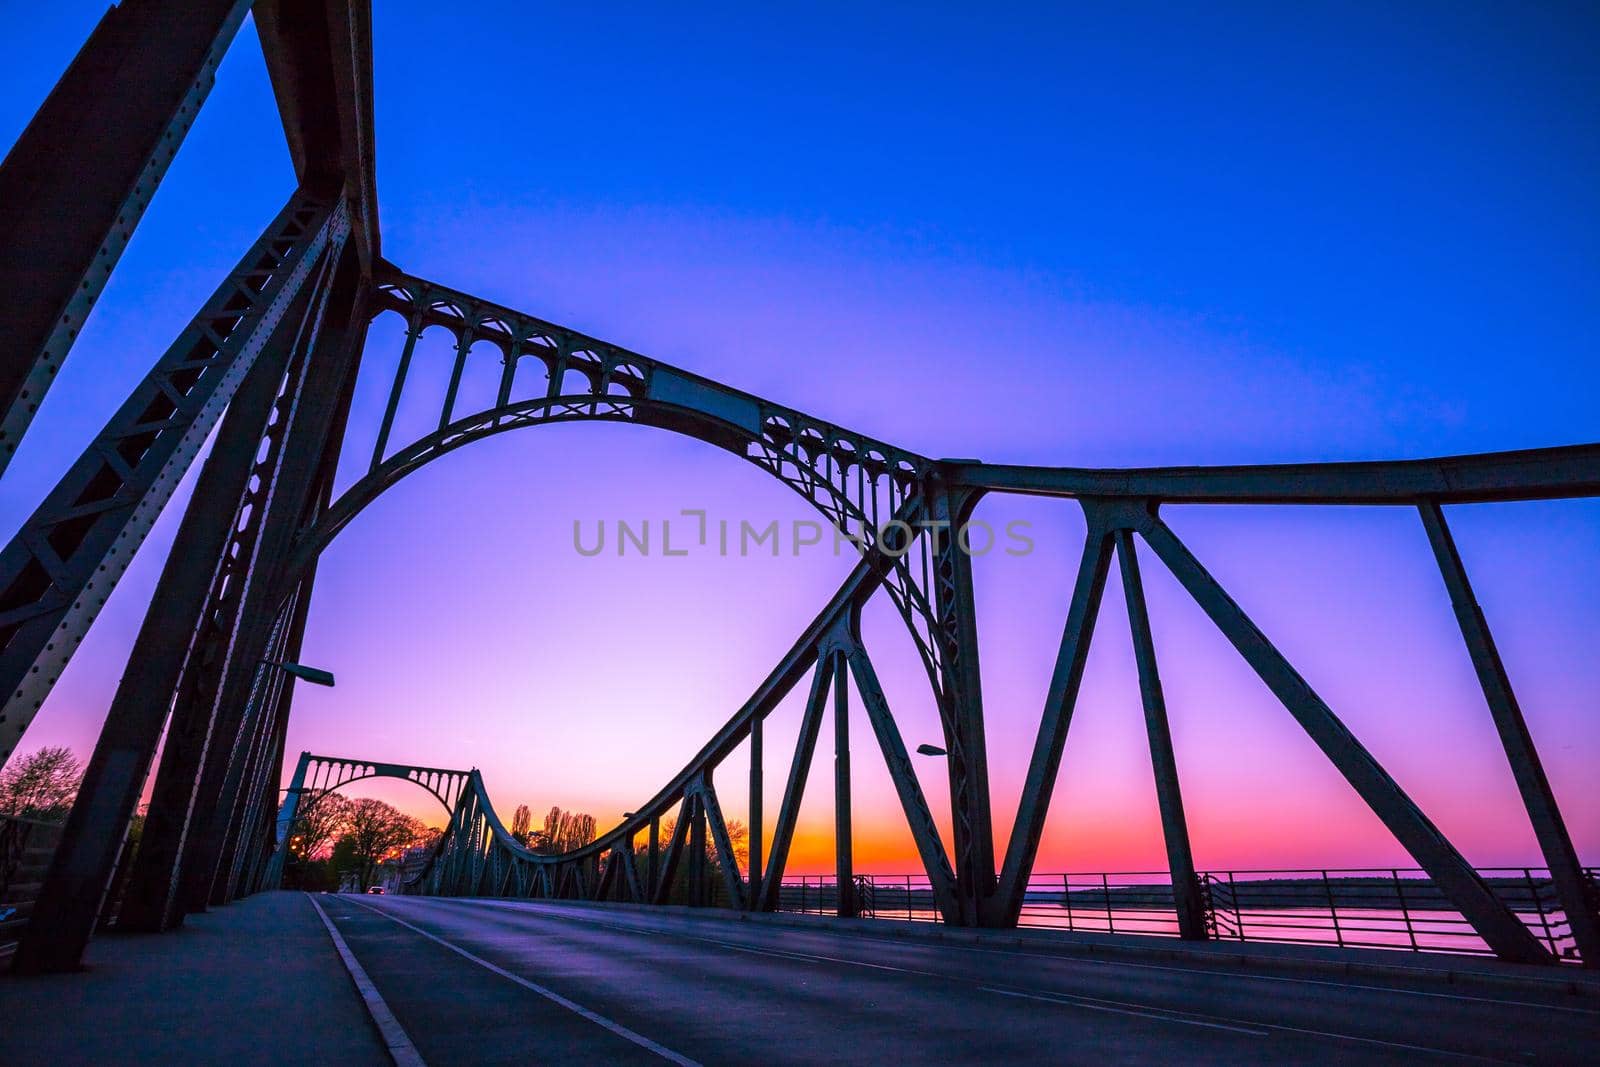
327	774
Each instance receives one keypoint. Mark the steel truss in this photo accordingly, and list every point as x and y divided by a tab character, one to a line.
317	776
277	348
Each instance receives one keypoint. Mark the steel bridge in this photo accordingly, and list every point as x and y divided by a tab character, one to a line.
268	365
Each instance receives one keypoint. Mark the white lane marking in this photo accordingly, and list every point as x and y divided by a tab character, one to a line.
401	1050
1095	1003
1079	1002
549	994
1072	959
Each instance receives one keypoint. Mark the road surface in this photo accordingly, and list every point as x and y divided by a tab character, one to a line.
479	981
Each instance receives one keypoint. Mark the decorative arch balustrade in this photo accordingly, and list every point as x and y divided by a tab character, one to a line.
317	776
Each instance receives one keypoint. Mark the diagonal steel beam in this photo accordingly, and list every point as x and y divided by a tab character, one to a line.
720	840
1186	895
1493	921
1062	699
80	176
62	565
918	818
630	872
1572	886
669	863
799	770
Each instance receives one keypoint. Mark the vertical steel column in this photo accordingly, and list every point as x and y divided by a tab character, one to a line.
255	838
653	862
195	731
413	331
205	727
266	763
78	180
287	814
753	897
1572	887
697	852
961	701
257	731
844	865
1186	897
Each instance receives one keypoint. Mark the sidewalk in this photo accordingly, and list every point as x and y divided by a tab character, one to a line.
257	981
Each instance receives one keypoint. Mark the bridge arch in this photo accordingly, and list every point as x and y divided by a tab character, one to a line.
856	482
860	485
317	776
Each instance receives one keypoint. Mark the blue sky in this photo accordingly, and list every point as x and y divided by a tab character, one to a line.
1251	233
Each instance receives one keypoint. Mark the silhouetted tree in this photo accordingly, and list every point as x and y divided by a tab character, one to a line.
564	831
41	785
321	818
375	832
521	822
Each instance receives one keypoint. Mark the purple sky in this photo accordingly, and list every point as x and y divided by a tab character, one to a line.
1348	239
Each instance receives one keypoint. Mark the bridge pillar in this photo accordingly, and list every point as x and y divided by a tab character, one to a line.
961	701
699	885
844	854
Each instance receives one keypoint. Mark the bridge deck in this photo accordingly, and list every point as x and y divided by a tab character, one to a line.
473	981
483	981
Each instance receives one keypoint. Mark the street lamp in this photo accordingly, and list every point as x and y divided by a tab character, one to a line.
931	750
314	675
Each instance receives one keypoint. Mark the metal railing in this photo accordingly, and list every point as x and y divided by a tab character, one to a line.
1363	907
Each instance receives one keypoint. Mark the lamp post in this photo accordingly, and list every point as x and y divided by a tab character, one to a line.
314	675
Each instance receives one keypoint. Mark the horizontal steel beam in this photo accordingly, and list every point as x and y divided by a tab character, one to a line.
1532	474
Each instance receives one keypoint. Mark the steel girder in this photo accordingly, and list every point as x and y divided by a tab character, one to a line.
255	687
236	353
211	682
78	180
62	565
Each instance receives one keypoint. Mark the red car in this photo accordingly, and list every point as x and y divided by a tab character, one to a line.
375	889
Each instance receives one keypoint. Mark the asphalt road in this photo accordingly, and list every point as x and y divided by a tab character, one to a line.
477	981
